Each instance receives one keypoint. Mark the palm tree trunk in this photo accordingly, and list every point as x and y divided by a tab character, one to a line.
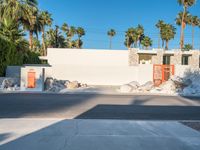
79	42
110	42
163	44
182	29
167	45
128	43
192	37
43	43
199	44
31	39
159	41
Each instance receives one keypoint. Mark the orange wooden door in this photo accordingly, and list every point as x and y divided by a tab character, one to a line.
162	73
31	80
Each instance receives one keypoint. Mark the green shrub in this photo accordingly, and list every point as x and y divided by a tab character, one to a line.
31	58
8	55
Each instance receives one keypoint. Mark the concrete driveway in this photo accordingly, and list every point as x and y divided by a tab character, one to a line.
54	134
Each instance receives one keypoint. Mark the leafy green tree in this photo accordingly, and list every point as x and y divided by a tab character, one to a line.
159	25
111	33
185	4
146	42
193	21
168	32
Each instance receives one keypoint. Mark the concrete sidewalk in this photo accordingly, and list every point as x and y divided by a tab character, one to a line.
54	134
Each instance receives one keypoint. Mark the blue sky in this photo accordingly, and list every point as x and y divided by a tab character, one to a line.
98	16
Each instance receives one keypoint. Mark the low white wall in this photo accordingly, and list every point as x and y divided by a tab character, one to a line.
40	77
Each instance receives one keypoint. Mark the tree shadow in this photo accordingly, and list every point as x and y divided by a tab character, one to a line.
139	112
4	136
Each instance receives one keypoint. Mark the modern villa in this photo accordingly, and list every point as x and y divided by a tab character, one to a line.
109	67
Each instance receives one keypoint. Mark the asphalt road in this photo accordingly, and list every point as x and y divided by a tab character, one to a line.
91	106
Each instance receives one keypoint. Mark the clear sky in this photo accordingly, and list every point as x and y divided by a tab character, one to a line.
98	16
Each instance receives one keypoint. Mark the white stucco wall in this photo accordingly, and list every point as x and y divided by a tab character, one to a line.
96	67
87	57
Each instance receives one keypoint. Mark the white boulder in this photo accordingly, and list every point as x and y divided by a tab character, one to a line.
134	84
148	86
126	88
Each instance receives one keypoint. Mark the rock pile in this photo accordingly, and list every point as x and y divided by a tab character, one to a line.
10	84
136	87
54	85
175	85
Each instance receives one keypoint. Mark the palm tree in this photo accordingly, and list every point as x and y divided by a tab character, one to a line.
129	37
65	27
168	32
70	35
22	11
80	32
146	42
10	31
111	33
193	21
54	38
45	20
185	4
17	9
140	32
33	26
159	26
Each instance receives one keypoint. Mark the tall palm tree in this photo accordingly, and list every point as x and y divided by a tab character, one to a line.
33	26
22	11
17	9
54	39
194	21
140	32
159	25
80	32
168	32
45	20
185	4
129	37
65	28
111	33
146	42
70	35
